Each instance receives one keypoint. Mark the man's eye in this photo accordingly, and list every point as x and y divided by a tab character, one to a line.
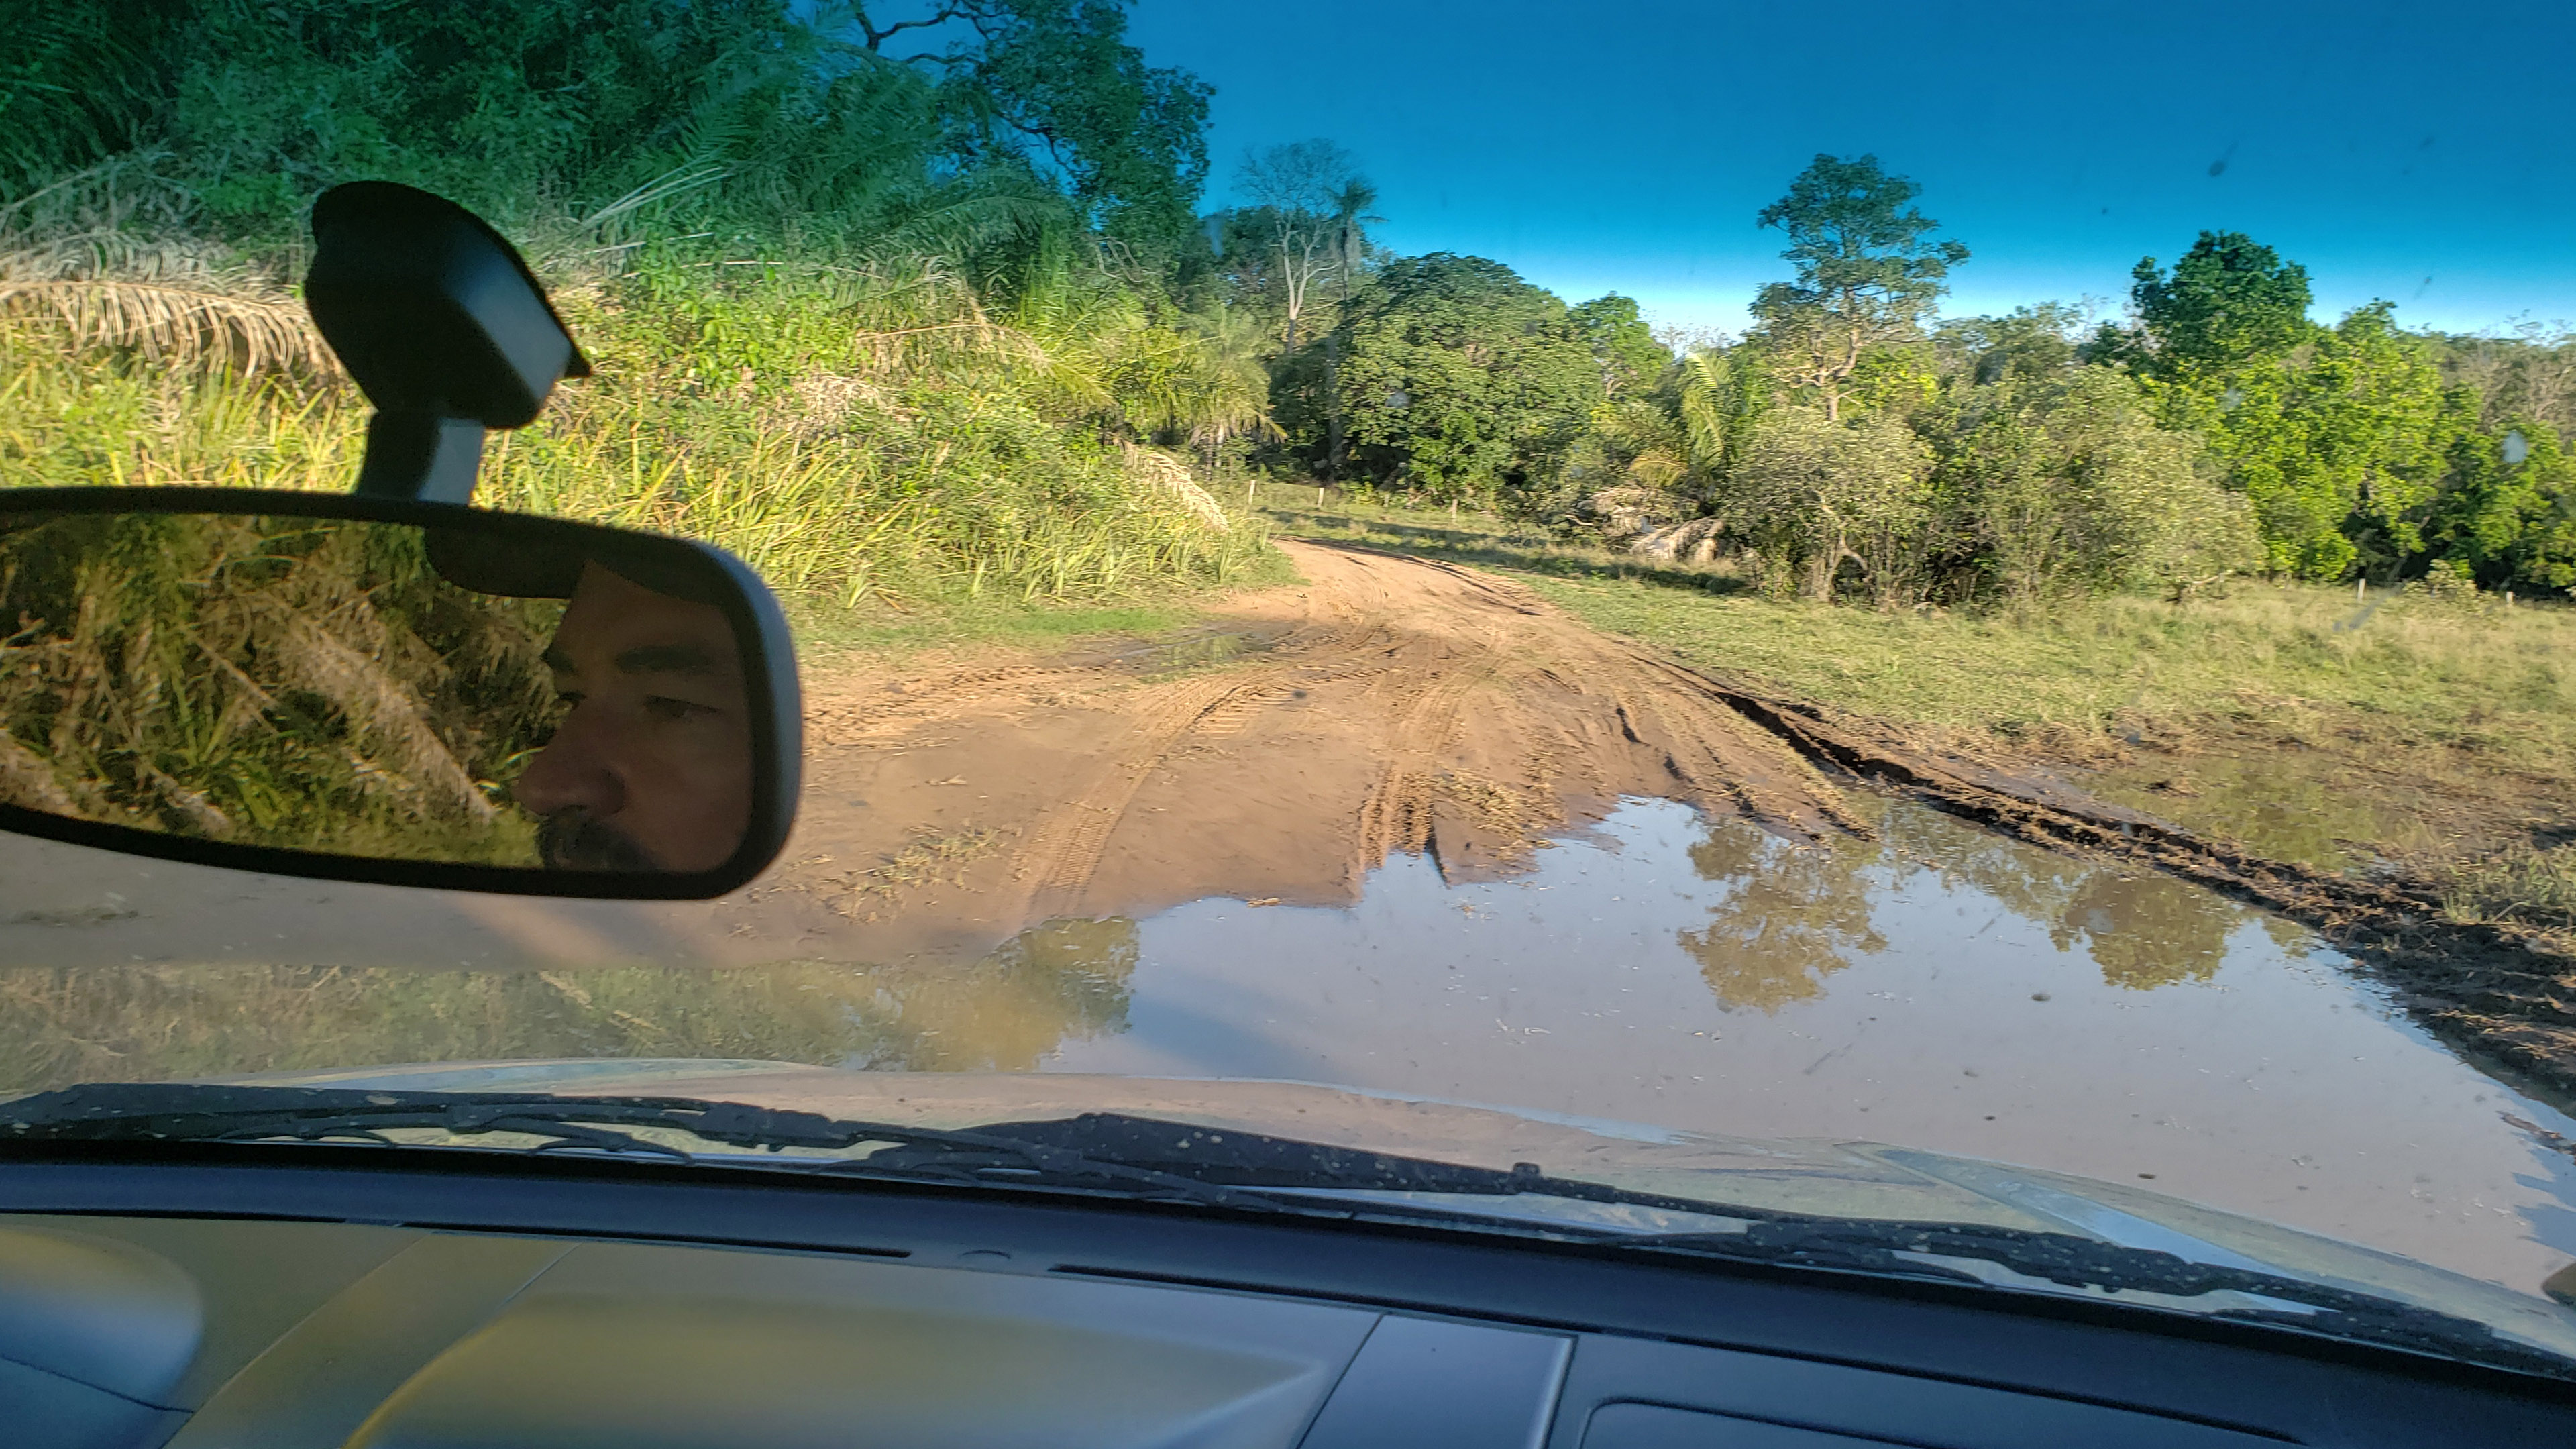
569	696
666	708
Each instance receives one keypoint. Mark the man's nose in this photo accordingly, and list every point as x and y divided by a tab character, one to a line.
576	768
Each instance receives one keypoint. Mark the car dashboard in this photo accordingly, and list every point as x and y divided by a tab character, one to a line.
329	1301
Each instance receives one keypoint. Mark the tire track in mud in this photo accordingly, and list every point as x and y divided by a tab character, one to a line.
1069	842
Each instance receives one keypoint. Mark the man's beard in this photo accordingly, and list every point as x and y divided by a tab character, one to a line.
575	839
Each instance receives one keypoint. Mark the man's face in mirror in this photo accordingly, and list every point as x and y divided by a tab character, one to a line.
651	768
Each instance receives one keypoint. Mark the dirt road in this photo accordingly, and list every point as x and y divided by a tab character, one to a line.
1300	737
1397	704
1386	704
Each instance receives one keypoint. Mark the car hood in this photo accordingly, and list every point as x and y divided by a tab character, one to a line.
1826	1177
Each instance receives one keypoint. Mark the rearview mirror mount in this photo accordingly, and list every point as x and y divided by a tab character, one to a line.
443	327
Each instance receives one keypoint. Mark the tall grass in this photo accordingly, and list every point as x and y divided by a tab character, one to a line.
859	429
907	500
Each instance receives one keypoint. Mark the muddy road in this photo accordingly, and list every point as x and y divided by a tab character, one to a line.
1394	705
1386	706
1301	738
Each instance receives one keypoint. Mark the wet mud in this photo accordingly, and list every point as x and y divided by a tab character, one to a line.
1396	705
1388	706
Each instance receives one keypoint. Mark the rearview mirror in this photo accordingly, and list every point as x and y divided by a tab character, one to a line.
419	694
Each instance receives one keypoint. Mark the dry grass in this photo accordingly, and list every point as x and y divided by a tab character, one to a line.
931	858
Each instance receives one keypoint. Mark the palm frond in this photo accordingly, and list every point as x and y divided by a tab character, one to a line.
172	324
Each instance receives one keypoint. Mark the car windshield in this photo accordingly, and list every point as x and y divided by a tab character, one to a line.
1917	616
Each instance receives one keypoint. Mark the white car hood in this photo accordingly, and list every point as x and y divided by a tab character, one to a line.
1834	1178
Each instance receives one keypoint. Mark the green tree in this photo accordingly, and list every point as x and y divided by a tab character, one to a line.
1810	494
2511	516
1351	256
1056	83
1459	378
2030	344
2062	482
2229	302
1630	358
2342	452
1868	272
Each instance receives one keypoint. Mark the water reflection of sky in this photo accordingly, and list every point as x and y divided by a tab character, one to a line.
2003	1002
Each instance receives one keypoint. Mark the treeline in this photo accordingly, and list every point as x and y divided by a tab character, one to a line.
895	310
1856	444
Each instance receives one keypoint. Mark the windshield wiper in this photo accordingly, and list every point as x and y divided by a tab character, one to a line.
178	1112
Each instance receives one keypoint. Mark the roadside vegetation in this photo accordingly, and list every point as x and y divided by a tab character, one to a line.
913	339
1856	446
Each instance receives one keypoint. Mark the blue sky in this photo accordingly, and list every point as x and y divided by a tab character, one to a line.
2422	153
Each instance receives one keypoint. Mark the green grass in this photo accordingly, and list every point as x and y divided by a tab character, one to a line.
2295	663
2440	735
826	630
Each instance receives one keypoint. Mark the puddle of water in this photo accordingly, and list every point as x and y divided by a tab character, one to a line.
1940	988
2273	804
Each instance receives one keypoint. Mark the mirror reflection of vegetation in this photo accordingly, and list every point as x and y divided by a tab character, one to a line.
1795	915
300	682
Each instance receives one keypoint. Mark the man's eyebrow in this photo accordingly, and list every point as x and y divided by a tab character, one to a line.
556	660
667	659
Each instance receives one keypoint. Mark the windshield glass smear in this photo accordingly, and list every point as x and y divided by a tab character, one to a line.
1965	657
